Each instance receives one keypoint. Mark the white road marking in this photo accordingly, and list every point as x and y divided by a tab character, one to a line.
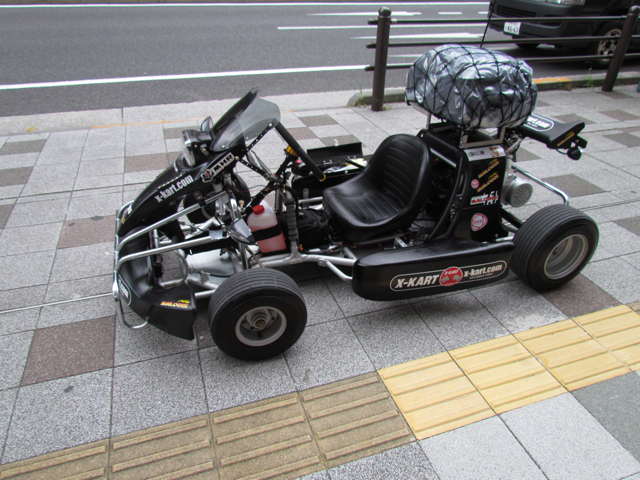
426	35
187	76
296	4
449	13
364	14
395	27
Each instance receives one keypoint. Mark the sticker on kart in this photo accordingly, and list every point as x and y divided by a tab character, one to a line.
448	277
173	188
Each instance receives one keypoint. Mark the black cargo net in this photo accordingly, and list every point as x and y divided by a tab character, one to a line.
472	87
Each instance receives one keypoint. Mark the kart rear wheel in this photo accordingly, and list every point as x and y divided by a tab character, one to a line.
257	314
553	246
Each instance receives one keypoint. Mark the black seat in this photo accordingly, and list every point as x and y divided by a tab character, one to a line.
387	196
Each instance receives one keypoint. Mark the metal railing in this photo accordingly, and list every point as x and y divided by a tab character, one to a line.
382	45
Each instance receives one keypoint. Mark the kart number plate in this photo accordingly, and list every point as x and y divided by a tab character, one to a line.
512	27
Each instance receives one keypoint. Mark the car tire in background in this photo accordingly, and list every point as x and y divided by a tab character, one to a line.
605	47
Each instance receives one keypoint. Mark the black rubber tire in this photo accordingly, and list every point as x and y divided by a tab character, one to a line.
527	46
549	229
602	46
256	290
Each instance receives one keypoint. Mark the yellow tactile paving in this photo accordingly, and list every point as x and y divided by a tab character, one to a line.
177	450
354	418
506	374
86	462
434	395
571	354
267	439
618	329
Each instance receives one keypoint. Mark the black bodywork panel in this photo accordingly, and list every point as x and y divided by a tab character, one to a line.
429	269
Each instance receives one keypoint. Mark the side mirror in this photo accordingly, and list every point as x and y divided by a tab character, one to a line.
206	125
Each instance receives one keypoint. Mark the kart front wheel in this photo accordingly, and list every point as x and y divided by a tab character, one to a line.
257	314
553	246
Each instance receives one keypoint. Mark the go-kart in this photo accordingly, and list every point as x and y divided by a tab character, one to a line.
424	215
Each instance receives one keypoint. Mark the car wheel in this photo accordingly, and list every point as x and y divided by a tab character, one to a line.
257	314
553	246
607	46
527	46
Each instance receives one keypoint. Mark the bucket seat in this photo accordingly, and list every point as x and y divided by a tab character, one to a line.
387	196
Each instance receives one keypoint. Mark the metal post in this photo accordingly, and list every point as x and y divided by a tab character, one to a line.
621	49
380	66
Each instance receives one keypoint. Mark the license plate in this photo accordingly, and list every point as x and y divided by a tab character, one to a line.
512	27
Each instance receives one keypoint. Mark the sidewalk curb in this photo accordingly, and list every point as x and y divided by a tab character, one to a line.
396	95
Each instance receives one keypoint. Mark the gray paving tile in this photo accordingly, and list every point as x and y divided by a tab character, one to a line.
86	231
620	115
155	392
321	307
327	131
482	450
34	238
567	442
57	156
93	151
615	403
72	349
618	240
145	148
22	297
106	166
66	139
14	176
632	224
518	307
7	403
81	262
572	117
302	133
350	303
148	343
459	319
633	477
319	356
51	178
318	120
102	205
26	270
613	213
14	348
35	213
616	277
626	139
573	185
176	132
44	198
230	382
406	462
84	287
72	312
5	212
580	297
20	321
633	260
60	414
11	148
394	336
142	163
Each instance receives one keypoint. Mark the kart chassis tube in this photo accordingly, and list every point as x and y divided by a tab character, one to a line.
118	262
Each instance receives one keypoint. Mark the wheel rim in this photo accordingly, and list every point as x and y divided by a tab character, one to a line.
606	47
261	326
566	256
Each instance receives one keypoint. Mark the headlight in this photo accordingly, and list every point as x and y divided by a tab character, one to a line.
187	149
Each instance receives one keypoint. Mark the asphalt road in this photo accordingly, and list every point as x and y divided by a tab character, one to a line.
129	55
